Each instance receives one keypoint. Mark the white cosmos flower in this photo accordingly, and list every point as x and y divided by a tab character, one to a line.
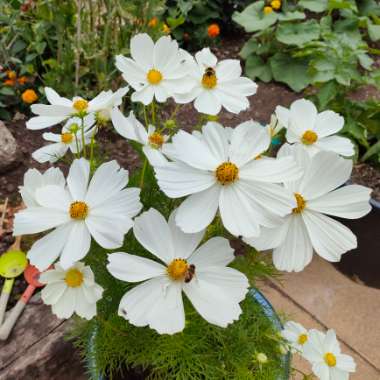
101	208
214	289
156	70
60	108
219	171
314	131
318	193
34	180
296	335
218	84
69	138
71	291
323	352
152	140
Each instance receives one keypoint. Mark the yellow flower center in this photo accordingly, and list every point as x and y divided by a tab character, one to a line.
301	203
67	137
309	137
74	278
209	79
177	269
154	77
227	173
156	140
80	105
302	339
78	210
268	10
330	359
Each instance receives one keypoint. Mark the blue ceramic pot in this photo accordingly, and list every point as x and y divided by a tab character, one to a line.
254	293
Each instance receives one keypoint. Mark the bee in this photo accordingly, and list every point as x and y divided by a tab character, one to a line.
190	273
209	71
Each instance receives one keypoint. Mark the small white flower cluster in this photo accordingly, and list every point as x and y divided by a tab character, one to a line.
277	203
321	350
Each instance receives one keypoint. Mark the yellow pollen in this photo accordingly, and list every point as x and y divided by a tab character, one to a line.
330	359
258	157
309	137
209	79
67	137
154	76
74	278
80	105
227	173
302	339
301	203
156	140
78	210
177	269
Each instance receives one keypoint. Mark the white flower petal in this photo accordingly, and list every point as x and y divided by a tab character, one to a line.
184	244
326	172
142	47
206	58
153	233
144	95
215	252
194	152
177	179
108	180
54	197
77	245
77	180
65	307
131	268
302	116
283	115
330	238
270	237
231	101
328	123
271	170
51	293
242	152
295	252
46	250
349	202
228	69
165	53
41	122
216	292
207	103
133	73
154	156
236	212
108	232
83	308
54	98
337	144
37	219
197	211
216	139
128	127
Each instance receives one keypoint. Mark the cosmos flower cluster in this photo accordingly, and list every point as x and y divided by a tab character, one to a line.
217	175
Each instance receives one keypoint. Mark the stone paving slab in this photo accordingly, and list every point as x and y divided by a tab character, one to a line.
321	297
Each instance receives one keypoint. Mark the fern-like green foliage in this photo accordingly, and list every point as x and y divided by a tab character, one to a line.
202	350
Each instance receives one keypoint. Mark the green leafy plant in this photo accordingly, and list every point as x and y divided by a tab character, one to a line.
329	44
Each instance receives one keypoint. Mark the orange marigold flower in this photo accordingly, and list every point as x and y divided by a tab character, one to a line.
22	80
153	22
9	82
29	96
276	4
268	10
11	74
213	30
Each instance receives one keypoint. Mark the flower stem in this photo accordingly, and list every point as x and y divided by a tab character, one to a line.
77	145
143	173
83	138
153	113
92	145
145	117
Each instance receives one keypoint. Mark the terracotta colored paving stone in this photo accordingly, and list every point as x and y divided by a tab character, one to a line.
320	297
36	349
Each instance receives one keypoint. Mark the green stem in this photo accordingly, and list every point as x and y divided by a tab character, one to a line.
92	145
143	173
83	138
153	113
146	117
77	145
